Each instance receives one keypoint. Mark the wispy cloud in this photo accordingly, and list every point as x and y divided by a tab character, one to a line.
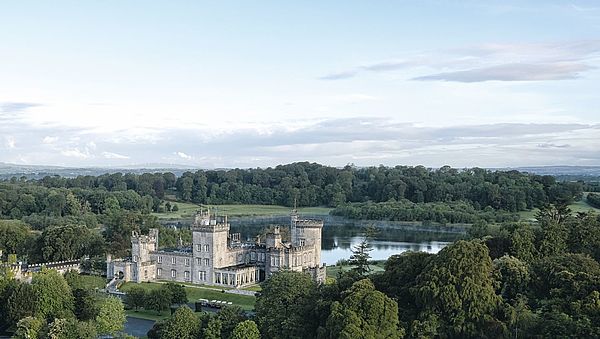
184	156
15	107
513	72
111	155
487	62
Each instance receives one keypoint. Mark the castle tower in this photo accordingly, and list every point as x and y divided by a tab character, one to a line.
141	246
308	233
210	243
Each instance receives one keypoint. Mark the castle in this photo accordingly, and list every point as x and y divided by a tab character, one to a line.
219	258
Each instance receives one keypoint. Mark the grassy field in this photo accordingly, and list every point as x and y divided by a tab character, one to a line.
577	206
333	270
91	282
148	315
187	210
195	293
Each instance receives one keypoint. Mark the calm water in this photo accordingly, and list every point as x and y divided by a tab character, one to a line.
340	235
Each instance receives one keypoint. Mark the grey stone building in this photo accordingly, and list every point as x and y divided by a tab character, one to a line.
219	258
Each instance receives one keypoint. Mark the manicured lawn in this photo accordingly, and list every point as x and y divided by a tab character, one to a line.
91	282
187	210
577	206
149	315
333	270
194	293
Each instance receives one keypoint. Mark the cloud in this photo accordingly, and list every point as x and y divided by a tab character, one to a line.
339	75
512	72
49	140
10	142
485	62
183	155
16	107
75	153
111	155
360	140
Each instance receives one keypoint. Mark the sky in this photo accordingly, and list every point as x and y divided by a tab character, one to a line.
262	83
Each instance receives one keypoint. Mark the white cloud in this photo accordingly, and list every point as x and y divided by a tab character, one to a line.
184	156
10	142
49	140
111	155
504	62
75	153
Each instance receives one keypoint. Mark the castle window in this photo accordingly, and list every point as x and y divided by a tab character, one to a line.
198	261
205	248
187	261
135	258
173	260
186	274
160	259
173	273
198	247
159	271
206	262
202	275
302	242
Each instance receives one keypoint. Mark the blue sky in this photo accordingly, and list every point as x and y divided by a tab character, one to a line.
247	84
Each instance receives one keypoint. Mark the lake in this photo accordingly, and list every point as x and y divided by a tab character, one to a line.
340	235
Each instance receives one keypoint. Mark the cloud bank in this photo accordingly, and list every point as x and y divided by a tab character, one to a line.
492	62
362	141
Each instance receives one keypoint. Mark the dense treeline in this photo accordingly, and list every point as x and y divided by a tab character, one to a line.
56	306
306	184
314	184
593	199
516	281
440	212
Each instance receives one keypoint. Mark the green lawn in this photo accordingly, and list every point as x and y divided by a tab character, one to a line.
91	282
186	210
148	315
194	293
577	206
333	270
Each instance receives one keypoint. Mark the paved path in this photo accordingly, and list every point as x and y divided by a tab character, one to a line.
138	327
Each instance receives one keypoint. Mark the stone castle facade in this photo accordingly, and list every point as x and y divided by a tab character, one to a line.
218	257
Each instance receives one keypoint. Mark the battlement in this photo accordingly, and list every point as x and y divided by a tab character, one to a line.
309	223
217	227
204	221
152	236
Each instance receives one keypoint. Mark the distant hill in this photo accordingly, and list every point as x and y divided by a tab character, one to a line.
39	171
8	171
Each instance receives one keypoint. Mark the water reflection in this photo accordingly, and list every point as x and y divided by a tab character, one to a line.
340	235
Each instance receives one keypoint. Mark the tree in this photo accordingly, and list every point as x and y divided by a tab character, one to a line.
522	244
70	329
158	300
85	304
230	316
285	301
398	279
457	286
182	324
245	330
14	237
54	296
177	292
360	253
111	316
364	313
21	303
135	298
213	329
28	328
513	277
